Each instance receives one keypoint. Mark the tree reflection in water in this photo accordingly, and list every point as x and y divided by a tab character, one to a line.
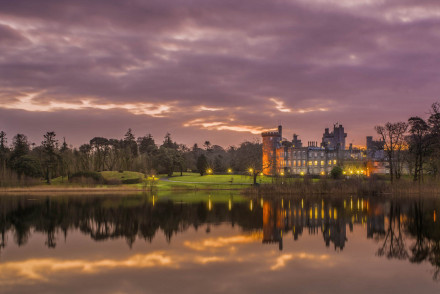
393	244
404	229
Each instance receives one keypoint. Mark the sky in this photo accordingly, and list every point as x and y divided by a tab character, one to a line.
222	71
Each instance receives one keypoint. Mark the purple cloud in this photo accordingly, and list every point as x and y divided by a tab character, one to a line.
217	70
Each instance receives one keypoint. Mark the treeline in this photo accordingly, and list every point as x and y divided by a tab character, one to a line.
413	145
23	162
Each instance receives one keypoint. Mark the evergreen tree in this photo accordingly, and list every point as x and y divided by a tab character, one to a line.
51	157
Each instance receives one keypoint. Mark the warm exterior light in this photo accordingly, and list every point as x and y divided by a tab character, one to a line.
301	173
282	174
261	174
209	171
322	173
229	170
251	170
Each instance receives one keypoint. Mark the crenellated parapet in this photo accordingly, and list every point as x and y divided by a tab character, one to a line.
271	134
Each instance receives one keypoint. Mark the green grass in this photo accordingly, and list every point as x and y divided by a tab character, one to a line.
219	179
189	181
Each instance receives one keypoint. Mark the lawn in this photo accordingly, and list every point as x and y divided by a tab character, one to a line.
218	179
188	181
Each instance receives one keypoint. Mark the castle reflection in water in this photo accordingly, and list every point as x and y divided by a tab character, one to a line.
142	217
321	217
405	229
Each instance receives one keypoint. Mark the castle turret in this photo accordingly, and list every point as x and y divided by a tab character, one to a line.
271	141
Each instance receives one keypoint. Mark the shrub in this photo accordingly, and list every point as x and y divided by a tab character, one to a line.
132	181
9	178
113	182
86	176
336	172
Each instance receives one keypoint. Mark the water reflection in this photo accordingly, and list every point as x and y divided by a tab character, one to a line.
403	229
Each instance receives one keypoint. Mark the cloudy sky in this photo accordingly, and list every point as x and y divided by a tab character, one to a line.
218	70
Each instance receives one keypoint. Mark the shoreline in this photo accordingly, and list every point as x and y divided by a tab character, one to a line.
39	189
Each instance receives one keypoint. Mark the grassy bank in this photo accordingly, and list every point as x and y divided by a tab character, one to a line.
114	181
356	186
132	182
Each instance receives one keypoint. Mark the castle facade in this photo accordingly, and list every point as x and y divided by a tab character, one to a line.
284	157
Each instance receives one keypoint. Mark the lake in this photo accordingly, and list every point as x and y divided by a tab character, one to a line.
218	243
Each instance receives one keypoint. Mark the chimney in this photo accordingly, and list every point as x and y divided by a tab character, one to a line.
280	130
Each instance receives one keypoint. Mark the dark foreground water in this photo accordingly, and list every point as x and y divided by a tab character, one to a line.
207	244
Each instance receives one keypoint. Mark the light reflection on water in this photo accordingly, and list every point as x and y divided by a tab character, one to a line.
146	243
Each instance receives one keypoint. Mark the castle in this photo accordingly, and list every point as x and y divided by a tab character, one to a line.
282	157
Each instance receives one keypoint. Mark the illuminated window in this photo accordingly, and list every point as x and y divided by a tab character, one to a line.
329	162
322	162
299	162
316	162
310	162
334	161
294	163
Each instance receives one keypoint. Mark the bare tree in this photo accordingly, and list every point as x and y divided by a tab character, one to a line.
393	136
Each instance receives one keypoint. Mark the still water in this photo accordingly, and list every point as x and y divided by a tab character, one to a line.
207	243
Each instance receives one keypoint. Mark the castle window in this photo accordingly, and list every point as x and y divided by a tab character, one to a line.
322	162
329	162
316	162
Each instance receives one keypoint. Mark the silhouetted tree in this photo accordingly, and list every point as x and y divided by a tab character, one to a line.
4	151
168	142
20	146
249	158
147	145
393	135
100	146
50	159
418	144
202	164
